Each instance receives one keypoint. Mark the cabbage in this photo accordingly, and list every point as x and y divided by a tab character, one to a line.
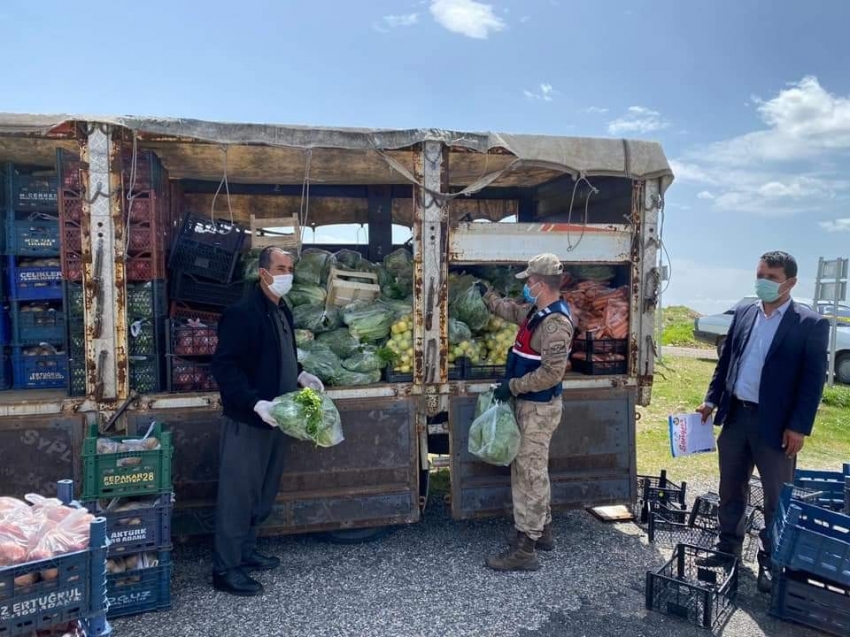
340	342
494	436
251	266
305	294
368	321
322	362
313	267
364	361
315	318
304	338
458	332
399	268
308	415
470	308
346	377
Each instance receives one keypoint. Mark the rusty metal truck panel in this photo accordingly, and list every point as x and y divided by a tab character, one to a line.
36	452
590	459
370	479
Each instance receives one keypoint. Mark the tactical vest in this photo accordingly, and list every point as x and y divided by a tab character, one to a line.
524	359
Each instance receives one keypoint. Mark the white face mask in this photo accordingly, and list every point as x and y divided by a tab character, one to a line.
282	284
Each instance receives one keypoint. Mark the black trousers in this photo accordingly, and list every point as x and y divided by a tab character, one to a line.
251	465
740	446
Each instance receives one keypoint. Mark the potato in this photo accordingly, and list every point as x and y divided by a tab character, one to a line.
49	574
26	580
151	444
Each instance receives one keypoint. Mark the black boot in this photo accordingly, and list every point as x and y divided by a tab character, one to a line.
520	558
765	578
236	582
257	562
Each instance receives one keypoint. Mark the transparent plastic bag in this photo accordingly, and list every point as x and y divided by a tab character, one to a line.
494	436
458	332
345	378
313	267
322	362
470	308
315	318
368	321
365	361
340	342
309	415
305	294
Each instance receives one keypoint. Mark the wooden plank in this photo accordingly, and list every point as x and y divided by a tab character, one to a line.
617	513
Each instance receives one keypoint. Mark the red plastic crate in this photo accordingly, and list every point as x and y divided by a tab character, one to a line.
190	375
188	313
144	268
70	209
72	238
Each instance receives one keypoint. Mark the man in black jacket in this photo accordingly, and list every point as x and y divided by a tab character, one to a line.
255	362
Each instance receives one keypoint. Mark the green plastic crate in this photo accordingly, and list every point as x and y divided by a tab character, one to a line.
105	477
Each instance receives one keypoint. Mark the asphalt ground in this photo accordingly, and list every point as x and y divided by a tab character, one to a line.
429	579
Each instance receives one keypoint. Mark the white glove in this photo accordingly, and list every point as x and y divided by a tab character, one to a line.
308	380
263	409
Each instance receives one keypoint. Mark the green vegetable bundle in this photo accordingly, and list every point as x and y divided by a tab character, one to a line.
368	321
340	342
494	436
306	294
347	378
458	332
315	318
308	415
304	338
313	267
365	361
322	362
470	308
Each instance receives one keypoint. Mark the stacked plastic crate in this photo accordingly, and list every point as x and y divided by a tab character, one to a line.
205	281
128	482
811	555
63	592
5	328
39	359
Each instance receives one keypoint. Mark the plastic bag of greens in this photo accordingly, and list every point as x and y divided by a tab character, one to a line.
400	264
470	308
304	338
322	362
400	309
458	332
368	321
305	294
346	378
308	415
340	342
365	361
315	318
313	267
347	260
458	284
494	436
251	266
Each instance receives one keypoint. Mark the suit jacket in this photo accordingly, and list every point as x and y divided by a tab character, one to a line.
793	375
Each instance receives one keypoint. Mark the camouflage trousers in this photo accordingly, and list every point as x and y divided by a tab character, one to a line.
530	488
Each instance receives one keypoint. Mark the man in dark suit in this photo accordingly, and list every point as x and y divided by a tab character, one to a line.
766	388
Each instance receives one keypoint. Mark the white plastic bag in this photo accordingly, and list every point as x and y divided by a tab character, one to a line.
494	436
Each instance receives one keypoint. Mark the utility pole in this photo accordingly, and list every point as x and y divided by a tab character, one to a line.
831	286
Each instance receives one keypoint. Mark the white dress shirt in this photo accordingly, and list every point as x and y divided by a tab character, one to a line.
762	335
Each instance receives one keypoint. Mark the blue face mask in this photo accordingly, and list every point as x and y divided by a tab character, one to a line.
526	294
767	291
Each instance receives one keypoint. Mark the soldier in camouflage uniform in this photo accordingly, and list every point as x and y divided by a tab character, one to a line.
536	366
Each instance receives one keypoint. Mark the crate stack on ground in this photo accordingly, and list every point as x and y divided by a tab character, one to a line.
128	482
55	590
811	556
5	325
34	277
205	280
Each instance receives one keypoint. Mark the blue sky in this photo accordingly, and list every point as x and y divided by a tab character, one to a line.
751	100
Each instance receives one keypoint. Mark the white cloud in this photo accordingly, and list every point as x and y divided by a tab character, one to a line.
545	94
691	173
596	110
838	225
705	195
467	17
637	120
525	19
394	21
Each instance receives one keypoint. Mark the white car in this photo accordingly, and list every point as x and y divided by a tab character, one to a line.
712	329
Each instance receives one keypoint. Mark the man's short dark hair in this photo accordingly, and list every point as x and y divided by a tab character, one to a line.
552	281
265	259
779	259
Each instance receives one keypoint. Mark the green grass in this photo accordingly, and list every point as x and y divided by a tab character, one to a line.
680	385
679	326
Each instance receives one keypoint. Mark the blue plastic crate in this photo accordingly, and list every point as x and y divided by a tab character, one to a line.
34	283
809	600
140	591
5	327
37	324
5	371
815	540
76	589
829	483
140	529
34	193
33	235
39	372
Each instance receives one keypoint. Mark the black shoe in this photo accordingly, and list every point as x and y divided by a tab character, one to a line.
257	562
765	580
236	582
716	560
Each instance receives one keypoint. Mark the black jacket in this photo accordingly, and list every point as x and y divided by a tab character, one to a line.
247	361
793	375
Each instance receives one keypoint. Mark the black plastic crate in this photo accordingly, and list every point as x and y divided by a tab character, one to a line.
33	193
74	301
811	601
755	494
669	527
192	289
136	524
34	234
481	372
599	357
659	489
147	300
394	376
139	591
76	375
34	323
702	595
704	513
207	248
190	375
145	374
